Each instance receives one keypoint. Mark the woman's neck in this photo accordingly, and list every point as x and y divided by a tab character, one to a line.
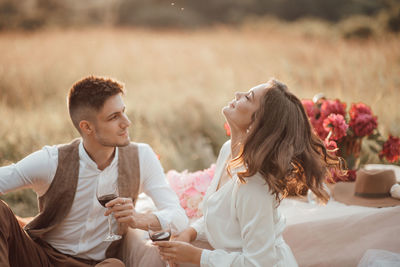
237	139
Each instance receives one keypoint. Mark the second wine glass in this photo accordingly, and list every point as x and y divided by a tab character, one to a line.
105	193
157	233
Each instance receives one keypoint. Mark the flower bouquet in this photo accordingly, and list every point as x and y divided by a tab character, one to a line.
343	132
190	188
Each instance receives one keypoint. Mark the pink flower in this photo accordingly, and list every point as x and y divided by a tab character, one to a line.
337	176
332	106
174	179
313	114
183	202
201	181
336	124
194	201
190	192
331	146
359	108
190	187
363	124
185	197
310	108
193	213
190	201
391	149
319	128
210	171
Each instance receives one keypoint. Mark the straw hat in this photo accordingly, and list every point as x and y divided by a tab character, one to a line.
371	189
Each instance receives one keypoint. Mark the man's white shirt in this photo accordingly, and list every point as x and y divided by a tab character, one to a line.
82	232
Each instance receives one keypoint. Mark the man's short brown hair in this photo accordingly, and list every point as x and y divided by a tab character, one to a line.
90	94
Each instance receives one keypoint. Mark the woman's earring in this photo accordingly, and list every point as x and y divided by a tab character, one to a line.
248	129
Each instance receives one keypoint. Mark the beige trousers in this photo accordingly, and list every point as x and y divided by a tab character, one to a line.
139	252
17	249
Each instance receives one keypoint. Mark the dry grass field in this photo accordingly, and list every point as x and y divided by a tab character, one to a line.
178	81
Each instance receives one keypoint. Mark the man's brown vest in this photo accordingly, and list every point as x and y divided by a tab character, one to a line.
56	203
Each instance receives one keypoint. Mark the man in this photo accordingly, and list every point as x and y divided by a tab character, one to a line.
71	225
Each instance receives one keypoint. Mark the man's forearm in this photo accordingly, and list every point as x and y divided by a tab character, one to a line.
143	220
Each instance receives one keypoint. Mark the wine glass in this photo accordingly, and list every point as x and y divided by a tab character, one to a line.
157	233
105	193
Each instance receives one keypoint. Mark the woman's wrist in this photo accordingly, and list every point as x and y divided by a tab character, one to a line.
197	256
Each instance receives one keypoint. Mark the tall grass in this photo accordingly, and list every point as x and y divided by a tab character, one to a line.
177	81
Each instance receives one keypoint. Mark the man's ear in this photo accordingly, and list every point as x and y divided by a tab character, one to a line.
86	127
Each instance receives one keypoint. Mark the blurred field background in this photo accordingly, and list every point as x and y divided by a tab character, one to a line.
182	61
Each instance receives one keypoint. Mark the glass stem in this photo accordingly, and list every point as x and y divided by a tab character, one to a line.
109	225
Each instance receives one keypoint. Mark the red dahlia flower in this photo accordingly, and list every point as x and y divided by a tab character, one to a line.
332	106
359	108
391	149
363	124
351	175
319	128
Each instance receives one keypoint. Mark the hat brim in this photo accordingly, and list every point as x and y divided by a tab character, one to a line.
344	192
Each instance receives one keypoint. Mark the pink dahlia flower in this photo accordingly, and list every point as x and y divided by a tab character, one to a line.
336	124
332	106
330	145
311	108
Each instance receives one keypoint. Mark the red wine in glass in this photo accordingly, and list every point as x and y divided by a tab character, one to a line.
105	193
106	198
157	233
160	236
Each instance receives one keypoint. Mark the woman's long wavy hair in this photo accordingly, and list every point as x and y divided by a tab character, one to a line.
282	146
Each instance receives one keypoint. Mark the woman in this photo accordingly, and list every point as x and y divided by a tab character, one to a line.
271	144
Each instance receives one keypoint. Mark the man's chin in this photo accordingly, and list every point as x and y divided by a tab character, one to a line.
124	143
120	142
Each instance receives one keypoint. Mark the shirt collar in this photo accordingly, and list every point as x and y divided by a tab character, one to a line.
83	155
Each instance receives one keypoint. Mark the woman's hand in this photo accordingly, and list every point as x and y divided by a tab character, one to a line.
179	252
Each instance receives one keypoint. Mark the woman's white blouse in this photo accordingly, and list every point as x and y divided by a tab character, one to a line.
242	223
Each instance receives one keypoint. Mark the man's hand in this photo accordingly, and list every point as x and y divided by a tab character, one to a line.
124	212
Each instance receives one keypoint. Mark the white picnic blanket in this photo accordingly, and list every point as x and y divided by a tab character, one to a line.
336	234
